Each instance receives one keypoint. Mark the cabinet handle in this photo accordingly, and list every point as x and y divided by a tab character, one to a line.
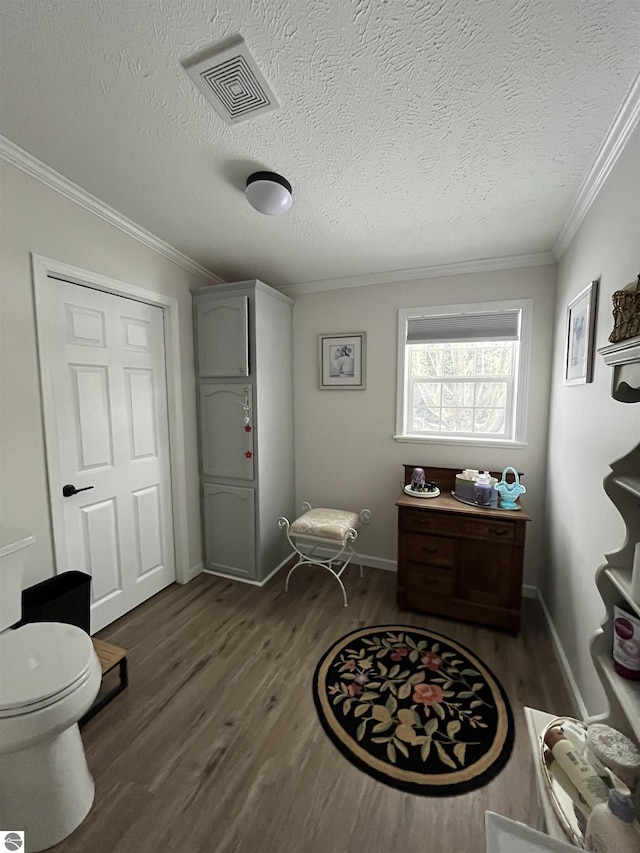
497	531
242	370
430	550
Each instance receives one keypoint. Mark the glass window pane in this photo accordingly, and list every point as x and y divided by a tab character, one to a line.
496	359
457	420
463	360
427	419
490	421
426	394
425	409
426	360
491	394
457	393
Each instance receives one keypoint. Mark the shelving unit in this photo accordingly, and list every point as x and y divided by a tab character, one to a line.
613	581
631	484
614	585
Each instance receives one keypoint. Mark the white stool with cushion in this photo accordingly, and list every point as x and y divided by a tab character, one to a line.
333	531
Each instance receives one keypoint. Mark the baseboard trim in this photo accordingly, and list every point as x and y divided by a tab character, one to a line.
371	562
194	571
275	571
227	577
248	581
572	686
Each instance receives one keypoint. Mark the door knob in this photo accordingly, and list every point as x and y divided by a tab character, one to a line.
70	490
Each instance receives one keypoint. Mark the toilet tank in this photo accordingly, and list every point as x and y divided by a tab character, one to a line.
13	541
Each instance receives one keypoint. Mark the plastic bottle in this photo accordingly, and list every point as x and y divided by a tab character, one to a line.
581	773
611	827
580	807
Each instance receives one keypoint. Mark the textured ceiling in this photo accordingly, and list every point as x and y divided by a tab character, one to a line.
414	132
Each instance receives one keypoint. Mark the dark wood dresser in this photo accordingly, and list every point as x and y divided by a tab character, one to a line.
459	560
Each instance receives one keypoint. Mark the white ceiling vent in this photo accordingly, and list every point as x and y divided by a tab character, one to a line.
229	78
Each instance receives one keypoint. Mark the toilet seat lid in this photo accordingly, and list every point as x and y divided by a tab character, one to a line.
39	660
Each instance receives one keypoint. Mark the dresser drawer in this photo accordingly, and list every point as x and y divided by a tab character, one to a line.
418	521
491	531
422	582
423	549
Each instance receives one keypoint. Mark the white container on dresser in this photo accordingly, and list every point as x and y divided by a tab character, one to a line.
613	581
244	365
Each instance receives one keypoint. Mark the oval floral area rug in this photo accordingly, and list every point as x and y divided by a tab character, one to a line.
414	709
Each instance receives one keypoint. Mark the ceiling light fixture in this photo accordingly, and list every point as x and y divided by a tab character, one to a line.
269	193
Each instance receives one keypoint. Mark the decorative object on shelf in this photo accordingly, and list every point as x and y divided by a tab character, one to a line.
612	827
580	335
626	312
430	490
476	488
577	781
342	361
418	479
616	751
419	488
268	193
510	492
381	697
626	643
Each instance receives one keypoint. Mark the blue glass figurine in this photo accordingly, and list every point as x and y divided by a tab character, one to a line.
509	492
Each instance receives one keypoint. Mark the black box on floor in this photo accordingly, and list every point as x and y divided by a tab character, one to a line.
63	598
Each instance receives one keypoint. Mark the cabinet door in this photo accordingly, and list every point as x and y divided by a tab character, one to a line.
488	576
226	446
222	334
229	529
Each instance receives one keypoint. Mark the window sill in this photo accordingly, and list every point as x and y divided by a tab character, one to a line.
461	441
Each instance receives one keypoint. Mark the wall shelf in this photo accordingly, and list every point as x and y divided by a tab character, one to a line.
621	580
627	693
630	484
614	585
623	352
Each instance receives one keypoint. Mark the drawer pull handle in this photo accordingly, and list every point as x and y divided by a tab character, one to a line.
431	550
497	531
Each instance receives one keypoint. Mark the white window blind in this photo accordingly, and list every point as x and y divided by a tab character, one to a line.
455	328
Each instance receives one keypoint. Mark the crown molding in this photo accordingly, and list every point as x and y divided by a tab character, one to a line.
29	164
437	271
623	126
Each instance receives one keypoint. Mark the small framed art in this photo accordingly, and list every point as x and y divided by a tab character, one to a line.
342	361
580	335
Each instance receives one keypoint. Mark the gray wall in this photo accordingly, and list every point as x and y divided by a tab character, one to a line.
37	219
346	455
588	429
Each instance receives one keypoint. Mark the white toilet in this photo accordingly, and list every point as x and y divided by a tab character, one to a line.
49	677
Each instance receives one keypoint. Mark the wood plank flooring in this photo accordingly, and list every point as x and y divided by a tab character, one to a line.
215	746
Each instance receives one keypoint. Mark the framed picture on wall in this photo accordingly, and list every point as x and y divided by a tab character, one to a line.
580	336
342	361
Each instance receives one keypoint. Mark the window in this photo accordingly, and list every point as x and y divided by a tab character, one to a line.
462	372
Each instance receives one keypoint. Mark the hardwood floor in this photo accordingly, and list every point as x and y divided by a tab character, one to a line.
215	746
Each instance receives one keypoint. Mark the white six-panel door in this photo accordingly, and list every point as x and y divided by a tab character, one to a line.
105	362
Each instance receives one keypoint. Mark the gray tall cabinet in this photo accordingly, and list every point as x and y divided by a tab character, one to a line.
244	364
